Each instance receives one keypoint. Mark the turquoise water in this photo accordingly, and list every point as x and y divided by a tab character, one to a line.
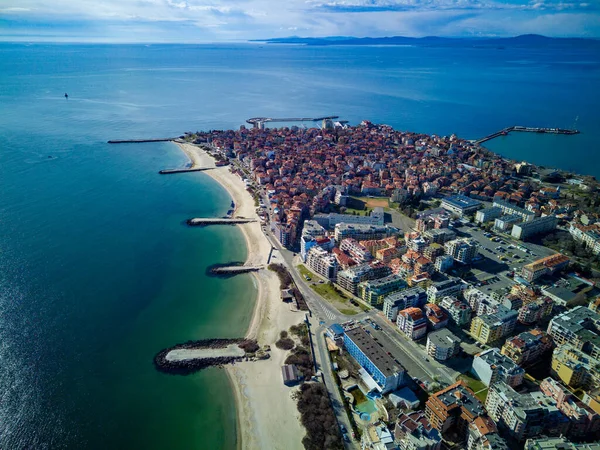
97	270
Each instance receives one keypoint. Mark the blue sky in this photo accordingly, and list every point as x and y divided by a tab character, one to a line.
225	20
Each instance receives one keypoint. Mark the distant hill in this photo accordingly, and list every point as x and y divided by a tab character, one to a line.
526	40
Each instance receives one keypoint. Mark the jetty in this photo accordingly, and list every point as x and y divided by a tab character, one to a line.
184	170
505	131
141	141
198	222
233	270
192	356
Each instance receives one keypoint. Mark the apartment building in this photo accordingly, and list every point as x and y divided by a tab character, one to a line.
412	322
350	278
575	368
362	232
506	222
526	348
514	210
548	266
356	250
459	312
557	443
584	421
462	250
443	263
535	311
480	302
414	432
322	263
491	327
330	220
483	435
491	367
442	344
579	327
436	317
453	409
439	235
439	290
373	292
589	235
525	230
487	214
401	300
387	373
522	416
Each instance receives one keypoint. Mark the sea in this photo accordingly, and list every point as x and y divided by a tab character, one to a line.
98	271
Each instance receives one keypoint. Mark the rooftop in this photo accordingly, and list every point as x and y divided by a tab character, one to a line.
384	362
443	338
461	201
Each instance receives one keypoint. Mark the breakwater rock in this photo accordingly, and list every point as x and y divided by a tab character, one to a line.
192	356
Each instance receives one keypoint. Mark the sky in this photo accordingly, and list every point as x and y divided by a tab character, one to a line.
235	20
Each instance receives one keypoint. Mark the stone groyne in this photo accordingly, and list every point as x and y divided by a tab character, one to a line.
202	354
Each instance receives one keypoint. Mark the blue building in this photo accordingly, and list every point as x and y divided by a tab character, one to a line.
384	370
460	205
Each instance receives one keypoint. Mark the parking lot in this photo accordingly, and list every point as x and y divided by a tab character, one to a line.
499	257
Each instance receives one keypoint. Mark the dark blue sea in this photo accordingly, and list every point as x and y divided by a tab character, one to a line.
98	271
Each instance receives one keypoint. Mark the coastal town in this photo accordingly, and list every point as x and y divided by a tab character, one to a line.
450	293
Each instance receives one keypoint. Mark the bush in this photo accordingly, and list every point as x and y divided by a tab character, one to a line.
318	418
285	279
302	359
283	334
285	344
249	346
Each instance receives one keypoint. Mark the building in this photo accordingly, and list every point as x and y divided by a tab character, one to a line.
527	347
439	235
557	443
521	416
589	235
462	250
579	327
436	317
374	291
350	278
525	230
547	266
491	327
356	250
442	344
535	311
330	220
487	214
453	409
387	373
335	332
491	367
362	232
401	300
460	205
506	222
513	210
414	432
575	368
584	421
322	263
483	435
412	322
444	263
458	312
290	374
480	302
439	290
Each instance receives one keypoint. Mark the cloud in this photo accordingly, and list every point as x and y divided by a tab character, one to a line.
214	20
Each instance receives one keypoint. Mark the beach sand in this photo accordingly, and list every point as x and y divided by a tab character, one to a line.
267	414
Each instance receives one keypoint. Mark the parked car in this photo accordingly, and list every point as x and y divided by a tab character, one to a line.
343	428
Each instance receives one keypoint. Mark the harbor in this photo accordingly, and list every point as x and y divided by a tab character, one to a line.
183	170
518	128
234	270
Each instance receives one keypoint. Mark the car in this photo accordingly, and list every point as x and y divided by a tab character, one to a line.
346	437
343	428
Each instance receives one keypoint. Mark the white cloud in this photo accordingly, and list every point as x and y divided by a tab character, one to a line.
247	19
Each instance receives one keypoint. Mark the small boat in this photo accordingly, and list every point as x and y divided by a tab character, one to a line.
66	96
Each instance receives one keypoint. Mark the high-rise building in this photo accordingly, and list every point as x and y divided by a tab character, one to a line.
491	367
401	300
462	250
412	322
525	230
323	263
442	344
527	347
491	327
579	327
373	292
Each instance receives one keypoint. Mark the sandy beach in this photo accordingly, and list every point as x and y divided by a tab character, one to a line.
267	415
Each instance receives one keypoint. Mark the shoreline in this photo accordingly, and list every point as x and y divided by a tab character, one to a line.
267	416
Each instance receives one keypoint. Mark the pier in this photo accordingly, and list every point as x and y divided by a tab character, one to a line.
259	122
184	170
507	130
233	270
192	356
197	222
141	141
